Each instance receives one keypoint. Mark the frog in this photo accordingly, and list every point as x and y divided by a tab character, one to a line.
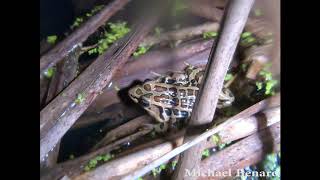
172	97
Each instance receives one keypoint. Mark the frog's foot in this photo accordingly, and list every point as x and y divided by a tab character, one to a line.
161	127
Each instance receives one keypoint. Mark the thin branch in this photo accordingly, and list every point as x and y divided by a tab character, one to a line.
234	20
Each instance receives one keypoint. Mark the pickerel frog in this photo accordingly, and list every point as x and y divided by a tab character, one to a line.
171	97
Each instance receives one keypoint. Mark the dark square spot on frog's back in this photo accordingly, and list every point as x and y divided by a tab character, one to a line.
175	102
190	92
173	91
182	92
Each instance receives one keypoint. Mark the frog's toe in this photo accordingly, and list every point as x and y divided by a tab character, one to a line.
161	127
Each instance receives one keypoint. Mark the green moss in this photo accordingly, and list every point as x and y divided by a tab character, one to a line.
258	12
107	157
95	161
79	20
206	153
267	83
52	39
259	85
141	50
49	72
115	32
209	34
267	75
228	77
245	35
215	139
244	67
269	86
174	164
247	39
87	168
158	170
80	98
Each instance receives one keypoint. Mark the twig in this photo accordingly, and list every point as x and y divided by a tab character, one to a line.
87	48
58	116
63	48
123	130
233	22
181	34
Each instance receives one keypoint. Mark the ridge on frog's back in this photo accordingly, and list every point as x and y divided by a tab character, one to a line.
173	96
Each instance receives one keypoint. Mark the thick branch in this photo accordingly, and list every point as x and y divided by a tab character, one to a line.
236	15
66	71
63	48
58	116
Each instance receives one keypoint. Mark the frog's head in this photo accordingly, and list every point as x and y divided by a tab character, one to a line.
140	93
135	93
